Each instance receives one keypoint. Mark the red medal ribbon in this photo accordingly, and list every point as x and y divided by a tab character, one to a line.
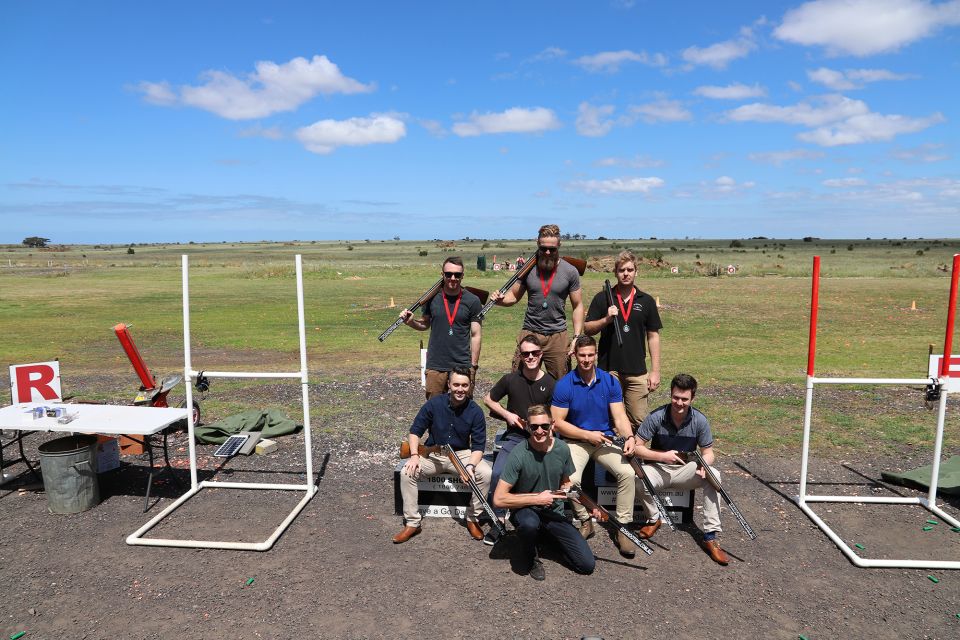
545	285
446	308
626	312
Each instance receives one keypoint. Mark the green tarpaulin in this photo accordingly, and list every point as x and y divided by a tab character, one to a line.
947	484
270	423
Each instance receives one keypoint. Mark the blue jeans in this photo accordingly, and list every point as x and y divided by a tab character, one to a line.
532	522
509	441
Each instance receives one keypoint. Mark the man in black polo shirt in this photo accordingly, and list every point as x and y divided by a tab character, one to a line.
523	388
454	419
636	314
453	318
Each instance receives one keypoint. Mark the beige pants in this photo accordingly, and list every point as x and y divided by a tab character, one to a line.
437	382
555	361
610	458
635	394
433	465
682	476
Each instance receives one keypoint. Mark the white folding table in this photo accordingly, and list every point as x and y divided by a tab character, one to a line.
104	419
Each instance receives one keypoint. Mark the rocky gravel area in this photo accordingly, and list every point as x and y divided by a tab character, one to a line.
335	573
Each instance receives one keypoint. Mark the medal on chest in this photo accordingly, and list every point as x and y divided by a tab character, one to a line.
545	285
451	316
626	310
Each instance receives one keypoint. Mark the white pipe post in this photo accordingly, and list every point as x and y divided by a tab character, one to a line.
805	451
307	439
188	371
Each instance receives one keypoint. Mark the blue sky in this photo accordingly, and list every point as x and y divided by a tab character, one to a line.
209	121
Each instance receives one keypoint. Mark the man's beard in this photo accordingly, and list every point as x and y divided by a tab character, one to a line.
546	263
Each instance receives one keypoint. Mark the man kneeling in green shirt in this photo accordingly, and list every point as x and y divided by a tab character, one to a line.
533	486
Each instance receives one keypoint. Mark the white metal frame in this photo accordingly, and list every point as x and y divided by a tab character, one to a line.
930	501
309	488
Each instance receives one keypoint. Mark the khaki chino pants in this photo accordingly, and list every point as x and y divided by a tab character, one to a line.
434	465
610	458
635	394
681	476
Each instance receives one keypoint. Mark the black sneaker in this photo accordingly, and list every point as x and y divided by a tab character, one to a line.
492	537
536	571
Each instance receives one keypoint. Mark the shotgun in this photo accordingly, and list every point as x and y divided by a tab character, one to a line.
607	520
657	500
579	265
421	450
495	521
715	483
425	300
616	325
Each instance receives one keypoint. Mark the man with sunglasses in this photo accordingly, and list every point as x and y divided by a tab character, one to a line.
548	285
453	318
635	312
452	419
525	387
533	485
587	410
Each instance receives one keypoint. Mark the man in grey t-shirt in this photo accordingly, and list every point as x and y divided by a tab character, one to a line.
548	285
452	317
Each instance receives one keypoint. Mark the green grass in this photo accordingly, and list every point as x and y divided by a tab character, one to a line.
735	333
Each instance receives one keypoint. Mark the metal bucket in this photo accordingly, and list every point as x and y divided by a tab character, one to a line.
69	467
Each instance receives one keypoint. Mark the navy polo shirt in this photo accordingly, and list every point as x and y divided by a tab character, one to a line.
462	427
658	429
588	405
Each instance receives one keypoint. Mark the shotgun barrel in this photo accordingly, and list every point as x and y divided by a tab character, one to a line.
616	325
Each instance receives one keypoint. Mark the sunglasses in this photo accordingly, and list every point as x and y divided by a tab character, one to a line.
538	427
453	274
531	354
544	249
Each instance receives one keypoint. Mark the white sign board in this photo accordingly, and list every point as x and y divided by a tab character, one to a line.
933	370
35	382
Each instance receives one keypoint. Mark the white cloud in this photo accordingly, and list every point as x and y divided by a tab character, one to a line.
735	91
865	27
515	120
158	93
636	162
844	182
778	158
721	54
593	120
324	136
257	131
434	127
851	78
868	127
726	184
270	89
547	54
661	110
828	109
610	61
618	185
926	153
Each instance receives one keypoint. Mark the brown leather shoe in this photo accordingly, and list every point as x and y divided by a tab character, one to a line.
405	534
586	529
718	555
626	546
646	531
475	531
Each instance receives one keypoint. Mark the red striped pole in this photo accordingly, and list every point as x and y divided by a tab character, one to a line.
951	312
814	302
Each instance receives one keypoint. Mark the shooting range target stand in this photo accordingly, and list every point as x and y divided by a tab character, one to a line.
943	382
309	488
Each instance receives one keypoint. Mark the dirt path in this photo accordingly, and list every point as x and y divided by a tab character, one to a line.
334	573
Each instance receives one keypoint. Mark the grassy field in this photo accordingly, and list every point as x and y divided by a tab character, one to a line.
739	334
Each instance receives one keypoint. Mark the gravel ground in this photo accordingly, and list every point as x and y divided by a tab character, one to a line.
334	573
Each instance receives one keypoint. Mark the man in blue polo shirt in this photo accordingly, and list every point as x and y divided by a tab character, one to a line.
587	410
452	418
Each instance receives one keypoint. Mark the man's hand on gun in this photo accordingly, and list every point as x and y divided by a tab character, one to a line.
671	457
412	466
612	313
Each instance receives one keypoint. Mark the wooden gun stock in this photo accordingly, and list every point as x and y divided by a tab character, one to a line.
607	520
616	324
578	264
421	450
482	499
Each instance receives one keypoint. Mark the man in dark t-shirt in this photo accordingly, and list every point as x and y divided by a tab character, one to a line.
635	312
533	486
523	388
453	318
